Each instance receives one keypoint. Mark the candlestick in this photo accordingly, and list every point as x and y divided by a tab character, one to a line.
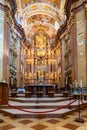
66	80
81	83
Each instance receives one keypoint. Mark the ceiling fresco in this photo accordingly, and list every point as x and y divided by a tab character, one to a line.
48	30
45	15
39	17
52	2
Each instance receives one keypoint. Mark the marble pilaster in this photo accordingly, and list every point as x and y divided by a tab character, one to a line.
2	13
81	54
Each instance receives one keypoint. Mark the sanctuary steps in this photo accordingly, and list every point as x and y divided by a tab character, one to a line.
44	104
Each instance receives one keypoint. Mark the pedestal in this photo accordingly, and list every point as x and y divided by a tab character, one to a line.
1	120
79	97
79	120
3	93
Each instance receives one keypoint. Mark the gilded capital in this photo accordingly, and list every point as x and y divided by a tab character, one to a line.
85	7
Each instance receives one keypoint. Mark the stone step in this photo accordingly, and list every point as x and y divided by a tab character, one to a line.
44	104
21	114
41	100
34	96
39	105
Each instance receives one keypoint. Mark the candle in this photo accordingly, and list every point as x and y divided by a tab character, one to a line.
80	83
66	80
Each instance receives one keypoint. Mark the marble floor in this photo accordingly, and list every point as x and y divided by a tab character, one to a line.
65	123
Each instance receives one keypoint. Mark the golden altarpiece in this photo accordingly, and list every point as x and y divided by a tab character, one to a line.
40	60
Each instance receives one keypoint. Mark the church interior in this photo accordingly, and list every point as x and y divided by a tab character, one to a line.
43	64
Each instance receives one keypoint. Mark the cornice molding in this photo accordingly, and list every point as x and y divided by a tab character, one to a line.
19	28
68	7
13	7
4	7
63	28
13	4
70	11
80	7
13	12
67	4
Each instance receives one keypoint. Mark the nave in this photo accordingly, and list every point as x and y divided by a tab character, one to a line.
43	46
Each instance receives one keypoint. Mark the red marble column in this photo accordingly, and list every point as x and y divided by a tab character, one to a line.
6	52
86	41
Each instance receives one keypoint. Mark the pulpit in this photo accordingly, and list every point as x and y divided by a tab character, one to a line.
3	93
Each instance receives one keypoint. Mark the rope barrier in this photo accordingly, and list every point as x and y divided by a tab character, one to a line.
41	111
82	102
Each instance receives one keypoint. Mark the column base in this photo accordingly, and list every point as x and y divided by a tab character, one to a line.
1	121
79	120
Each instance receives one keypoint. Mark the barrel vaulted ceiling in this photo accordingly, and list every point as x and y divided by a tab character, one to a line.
40	16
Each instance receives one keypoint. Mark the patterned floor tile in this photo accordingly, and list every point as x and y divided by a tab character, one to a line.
41	117
7	127
84	116
82	128
71	126
26	122
61	128
53	121
73	114
67	122
65	117
39	127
